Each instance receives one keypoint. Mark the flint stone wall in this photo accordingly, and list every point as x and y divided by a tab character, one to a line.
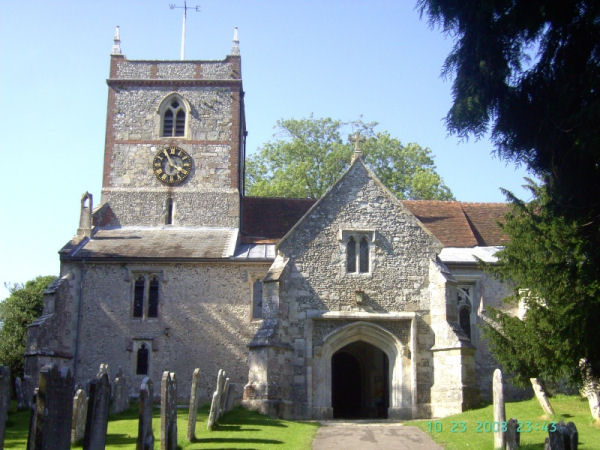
137	116
175	70
147	207
316	279
204	320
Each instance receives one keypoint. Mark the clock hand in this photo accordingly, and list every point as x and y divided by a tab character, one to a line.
169	158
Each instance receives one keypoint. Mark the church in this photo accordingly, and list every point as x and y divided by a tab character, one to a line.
356	305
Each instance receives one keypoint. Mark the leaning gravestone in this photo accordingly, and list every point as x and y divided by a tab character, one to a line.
145	439
168	412
512	437
541	396
120	393
20	395
96	422
499	412
213	416
50	425
223	399
80	406
4	400
194	394
591	388
562	437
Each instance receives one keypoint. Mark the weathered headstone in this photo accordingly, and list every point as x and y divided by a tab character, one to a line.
513	437
194	394
145	440
223	399
29	387
168	412
96	422
4	400
591	388
20	395
50	425
120	400
499	412
562	437
542	397
215	404
80	406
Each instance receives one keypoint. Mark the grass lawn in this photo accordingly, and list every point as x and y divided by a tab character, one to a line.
237	429
460	431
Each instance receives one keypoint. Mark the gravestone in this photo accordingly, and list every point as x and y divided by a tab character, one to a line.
499	412
223	399
50	424
145	439
20	395
96	422
120	400
213	416
29	387
542	397
194	394
562	437
4	400
512	437
80	406
591	388
168	412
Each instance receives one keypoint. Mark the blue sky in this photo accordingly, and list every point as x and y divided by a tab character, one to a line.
344	59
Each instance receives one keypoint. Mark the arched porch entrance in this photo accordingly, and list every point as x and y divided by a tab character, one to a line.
353	349
359	382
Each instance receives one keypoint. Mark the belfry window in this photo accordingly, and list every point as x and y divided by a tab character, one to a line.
173	119
146	290
358	251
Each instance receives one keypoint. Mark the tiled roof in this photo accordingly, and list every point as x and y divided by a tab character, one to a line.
171	243
455	224
266	219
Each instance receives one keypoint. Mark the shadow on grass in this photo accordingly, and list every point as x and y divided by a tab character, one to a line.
237	441
241	416
222	427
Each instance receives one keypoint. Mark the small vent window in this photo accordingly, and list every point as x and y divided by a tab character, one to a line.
257	300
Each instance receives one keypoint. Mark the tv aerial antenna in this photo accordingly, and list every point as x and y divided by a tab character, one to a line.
185	8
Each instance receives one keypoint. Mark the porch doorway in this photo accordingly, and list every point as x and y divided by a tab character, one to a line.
359	382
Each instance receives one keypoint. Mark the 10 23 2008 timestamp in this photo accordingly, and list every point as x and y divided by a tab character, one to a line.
485	426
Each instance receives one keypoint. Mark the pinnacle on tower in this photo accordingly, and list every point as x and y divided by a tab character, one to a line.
116	48
235	50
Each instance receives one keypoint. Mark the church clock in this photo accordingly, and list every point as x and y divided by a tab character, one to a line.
172	165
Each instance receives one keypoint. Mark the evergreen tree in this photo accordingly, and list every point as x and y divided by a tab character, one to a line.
528	72
548	261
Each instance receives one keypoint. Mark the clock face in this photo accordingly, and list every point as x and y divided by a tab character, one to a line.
172	165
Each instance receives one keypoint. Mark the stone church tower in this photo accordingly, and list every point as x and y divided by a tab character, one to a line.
195	107
356	305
